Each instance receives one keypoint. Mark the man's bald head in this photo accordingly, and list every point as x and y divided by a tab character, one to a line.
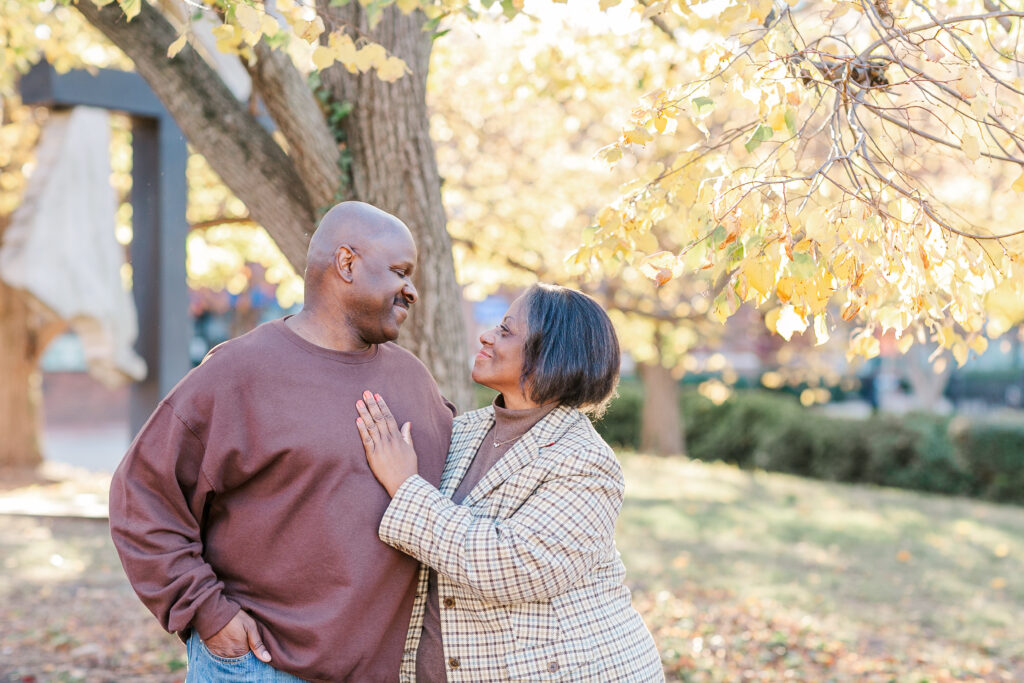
356	224
359	284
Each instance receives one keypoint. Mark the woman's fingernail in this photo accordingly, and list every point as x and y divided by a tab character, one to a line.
367	394
377	396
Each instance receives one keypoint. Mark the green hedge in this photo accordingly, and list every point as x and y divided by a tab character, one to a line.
994	455
620	425
772	431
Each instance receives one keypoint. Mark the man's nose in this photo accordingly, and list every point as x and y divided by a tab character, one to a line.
410	293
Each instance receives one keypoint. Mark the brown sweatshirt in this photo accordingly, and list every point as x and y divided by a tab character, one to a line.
248	488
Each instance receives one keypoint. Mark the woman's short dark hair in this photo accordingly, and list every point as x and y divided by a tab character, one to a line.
571	353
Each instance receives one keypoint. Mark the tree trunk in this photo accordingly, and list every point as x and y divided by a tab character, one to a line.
927	386
393	165
20	394
394	168
661	430
311	144
24	334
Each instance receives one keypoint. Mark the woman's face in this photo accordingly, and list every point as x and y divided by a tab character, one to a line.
499	363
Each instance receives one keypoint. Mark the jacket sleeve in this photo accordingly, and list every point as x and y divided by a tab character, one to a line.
157	500
560	532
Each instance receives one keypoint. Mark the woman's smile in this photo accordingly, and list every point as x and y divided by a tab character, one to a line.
499	362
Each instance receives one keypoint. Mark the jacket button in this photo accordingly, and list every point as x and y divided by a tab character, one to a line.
449	602
553	667
454	662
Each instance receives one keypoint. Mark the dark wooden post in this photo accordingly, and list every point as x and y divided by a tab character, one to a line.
159	227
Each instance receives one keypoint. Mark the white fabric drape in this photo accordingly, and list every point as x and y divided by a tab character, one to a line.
60	245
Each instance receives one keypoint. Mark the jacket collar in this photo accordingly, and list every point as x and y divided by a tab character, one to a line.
469	434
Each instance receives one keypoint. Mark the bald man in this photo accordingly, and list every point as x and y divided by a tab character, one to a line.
244	512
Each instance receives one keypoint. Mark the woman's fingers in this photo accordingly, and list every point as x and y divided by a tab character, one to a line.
364	436
390	452
381	415
367	424
388	416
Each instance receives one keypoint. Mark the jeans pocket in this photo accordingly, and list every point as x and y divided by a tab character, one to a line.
206	667
225	660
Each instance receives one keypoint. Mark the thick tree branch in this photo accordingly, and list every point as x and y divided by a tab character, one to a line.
298	116
218	126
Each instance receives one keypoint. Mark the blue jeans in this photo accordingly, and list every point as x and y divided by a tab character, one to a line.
206	667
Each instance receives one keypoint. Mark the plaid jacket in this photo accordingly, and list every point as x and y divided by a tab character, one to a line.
531	584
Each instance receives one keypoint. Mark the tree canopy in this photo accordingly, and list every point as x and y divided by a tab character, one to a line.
862	154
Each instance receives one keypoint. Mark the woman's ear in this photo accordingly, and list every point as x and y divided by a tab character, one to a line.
344	258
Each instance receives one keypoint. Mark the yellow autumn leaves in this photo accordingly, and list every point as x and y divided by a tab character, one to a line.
828	217
246	24
342	49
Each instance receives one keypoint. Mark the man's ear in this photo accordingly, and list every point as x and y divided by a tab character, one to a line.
344	257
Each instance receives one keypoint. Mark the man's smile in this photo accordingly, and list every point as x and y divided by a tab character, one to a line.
401	308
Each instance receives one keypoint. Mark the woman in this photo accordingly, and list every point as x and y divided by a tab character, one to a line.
524	579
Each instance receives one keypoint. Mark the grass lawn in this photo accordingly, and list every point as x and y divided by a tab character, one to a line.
757	576
741	576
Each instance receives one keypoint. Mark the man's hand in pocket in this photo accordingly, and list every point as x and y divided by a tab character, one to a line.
240	635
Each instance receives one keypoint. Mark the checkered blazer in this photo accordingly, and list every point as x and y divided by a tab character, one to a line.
530	582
